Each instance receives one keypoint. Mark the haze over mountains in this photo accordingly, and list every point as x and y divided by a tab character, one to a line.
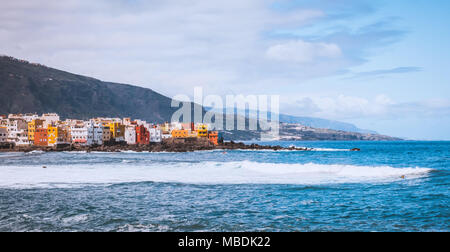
29	87
307	121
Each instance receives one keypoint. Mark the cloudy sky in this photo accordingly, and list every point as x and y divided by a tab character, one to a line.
383	65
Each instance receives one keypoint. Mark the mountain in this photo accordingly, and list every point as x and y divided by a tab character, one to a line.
27	87
323	124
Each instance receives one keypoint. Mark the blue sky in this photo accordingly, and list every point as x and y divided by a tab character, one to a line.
382	65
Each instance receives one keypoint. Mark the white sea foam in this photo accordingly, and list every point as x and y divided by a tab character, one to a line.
327	149
132	152
10	154
35	152
201	173
303	149
75	219
319	149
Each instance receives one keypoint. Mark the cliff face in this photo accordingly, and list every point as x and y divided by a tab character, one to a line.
26	87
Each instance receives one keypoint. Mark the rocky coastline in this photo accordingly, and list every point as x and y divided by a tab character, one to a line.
172	145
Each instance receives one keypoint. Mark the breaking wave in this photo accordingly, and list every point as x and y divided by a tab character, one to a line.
328	149
245	172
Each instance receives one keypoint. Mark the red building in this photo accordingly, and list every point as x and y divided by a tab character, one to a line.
142	135
41	137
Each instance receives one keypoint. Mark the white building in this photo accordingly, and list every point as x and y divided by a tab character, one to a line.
30	117
27	117
50	118
155	135
3	122
16	124
95	133
126	121
79	133
17	131
130	134
20	138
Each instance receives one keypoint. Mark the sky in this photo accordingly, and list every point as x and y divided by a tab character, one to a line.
382	65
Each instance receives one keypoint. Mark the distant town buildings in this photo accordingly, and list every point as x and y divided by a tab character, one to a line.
49	130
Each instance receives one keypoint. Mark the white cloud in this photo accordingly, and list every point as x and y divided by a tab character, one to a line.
343	107
303	52
170	45
173	45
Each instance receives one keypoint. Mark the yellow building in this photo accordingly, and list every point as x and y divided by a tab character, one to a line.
32	128
58	135
117	130
202	130
52	135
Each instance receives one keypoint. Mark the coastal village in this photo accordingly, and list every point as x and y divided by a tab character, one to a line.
48	130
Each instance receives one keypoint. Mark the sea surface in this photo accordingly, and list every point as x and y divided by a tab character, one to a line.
387	186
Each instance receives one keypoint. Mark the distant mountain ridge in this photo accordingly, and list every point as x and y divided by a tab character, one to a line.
323	124
313	122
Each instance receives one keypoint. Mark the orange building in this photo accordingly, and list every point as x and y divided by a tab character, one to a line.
180	133
213	137
41	137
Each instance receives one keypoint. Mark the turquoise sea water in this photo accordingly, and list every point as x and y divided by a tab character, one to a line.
387	186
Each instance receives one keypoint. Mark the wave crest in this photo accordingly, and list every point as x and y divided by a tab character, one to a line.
244	172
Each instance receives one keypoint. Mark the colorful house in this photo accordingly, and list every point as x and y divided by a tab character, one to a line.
52	135
32	126
41	137
142	135
117	131
213	137
202	130
180	133
57	135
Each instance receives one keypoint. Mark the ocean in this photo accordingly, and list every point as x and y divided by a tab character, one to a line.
387	186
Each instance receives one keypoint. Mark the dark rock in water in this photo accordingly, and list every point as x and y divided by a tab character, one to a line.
355	149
